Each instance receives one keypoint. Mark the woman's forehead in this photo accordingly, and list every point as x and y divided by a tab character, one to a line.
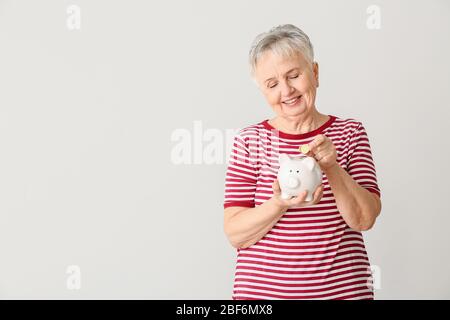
270	63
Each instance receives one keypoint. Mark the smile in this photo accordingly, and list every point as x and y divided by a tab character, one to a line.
292	101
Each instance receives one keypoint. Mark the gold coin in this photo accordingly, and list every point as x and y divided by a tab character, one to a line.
304	149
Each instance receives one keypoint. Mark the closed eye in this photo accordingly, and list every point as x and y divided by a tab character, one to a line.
275	84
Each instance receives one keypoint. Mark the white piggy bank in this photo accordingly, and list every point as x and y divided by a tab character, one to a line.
296	175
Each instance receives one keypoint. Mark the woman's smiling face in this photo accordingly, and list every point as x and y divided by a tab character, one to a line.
288	84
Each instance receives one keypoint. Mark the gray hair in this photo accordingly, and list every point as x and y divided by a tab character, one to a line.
285	40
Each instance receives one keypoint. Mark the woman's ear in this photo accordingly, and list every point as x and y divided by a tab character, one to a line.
316	73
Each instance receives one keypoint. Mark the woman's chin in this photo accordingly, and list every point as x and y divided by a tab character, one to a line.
295	110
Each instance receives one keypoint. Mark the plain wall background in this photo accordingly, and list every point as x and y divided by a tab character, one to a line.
86	124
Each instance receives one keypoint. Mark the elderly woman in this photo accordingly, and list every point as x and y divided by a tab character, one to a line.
297	249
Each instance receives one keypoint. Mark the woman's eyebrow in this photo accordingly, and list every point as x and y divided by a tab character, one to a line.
284	74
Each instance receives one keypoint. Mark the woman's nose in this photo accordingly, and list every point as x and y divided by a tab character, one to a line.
287	89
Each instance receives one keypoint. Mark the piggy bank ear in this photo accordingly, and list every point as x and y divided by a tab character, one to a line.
309	162
282	158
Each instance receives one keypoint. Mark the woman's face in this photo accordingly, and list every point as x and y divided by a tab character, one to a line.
289	85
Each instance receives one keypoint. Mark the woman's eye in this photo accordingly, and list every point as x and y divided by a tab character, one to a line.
273	85
293	77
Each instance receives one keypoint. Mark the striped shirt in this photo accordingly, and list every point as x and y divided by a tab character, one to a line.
310	253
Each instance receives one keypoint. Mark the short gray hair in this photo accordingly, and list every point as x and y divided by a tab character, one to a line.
285	40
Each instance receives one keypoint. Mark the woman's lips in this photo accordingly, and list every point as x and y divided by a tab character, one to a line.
292	102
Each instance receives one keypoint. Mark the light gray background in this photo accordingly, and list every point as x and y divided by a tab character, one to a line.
86	118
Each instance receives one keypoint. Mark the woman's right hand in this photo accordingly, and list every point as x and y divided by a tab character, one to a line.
298	201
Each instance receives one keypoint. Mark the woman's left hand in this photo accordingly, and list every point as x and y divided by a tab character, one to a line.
324	151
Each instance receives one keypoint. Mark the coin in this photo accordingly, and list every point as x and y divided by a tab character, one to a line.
304	149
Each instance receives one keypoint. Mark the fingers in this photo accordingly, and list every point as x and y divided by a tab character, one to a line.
320	143
276	187
318	194
318	140
310	153
314	151
299	200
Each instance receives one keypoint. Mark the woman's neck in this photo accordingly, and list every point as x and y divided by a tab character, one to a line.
299	125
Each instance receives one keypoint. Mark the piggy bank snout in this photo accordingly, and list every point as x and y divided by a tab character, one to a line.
293	182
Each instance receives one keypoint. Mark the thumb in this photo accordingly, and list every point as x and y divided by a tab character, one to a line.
276	187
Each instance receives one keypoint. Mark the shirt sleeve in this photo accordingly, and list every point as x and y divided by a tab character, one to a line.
360	163
241	176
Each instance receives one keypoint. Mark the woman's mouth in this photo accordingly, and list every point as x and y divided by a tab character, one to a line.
293	101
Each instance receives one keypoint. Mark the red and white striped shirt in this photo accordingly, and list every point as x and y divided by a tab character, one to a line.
310	253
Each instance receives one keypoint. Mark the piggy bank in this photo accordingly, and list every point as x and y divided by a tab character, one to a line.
296	175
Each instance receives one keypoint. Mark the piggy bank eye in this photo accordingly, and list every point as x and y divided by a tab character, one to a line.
290	170
298	171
